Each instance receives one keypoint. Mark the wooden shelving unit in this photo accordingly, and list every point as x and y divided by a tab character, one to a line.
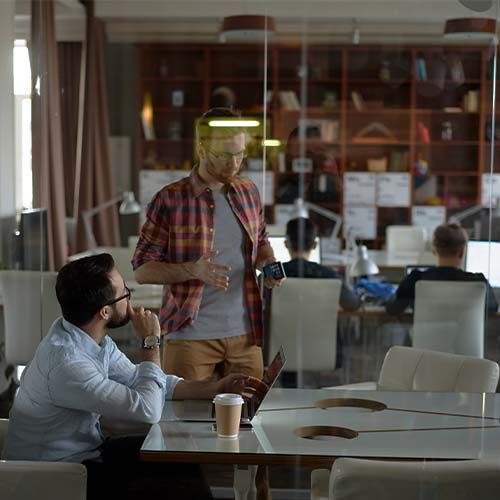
393	91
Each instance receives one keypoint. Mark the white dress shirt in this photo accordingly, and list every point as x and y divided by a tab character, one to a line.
68	385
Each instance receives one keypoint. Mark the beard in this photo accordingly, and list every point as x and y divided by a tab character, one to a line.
226	176
117	321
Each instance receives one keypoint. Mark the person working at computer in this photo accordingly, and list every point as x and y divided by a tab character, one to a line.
448	245
301	234
78	375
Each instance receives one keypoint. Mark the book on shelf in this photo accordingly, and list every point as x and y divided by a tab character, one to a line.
398	161
421	69
452	109
357	100
471	101
423	133
289	100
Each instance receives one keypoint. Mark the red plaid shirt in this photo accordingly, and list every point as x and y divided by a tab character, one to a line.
180	228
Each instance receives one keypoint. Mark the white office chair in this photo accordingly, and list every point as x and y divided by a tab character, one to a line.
29	480
449	317
405	240
304	320
411	369
357	479
132	242
30	308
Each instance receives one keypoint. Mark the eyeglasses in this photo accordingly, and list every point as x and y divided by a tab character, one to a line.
114	301
226	155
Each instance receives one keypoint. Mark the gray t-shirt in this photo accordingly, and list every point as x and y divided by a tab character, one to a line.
222	314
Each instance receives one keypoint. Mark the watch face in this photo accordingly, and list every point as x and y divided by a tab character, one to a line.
151	341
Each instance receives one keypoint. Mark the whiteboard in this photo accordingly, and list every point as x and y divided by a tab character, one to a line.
393	190
488	180
428	217
360	222
359	188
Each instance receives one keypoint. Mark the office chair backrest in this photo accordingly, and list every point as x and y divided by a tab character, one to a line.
405	239
358	479
30	308
449	317
411	369
304	320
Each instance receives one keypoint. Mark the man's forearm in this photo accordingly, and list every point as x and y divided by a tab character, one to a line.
163	273
152	355
265	254
192	389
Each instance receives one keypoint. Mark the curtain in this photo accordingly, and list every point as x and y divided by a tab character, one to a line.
47	155
96	179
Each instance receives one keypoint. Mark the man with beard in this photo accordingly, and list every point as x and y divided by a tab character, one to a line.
78	375
204	237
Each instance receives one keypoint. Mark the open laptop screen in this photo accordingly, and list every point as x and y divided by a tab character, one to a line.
482	257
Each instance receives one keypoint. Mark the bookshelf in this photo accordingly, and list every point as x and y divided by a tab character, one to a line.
422	111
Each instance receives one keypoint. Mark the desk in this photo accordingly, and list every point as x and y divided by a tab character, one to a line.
273	441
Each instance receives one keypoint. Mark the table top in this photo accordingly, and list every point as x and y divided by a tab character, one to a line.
403	430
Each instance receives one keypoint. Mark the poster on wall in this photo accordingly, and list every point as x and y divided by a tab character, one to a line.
151	181
359	188
393	190
360	222
265	184
490	186
428	217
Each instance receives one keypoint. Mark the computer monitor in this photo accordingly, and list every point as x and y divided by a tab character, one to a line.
281	252
34	242
476	260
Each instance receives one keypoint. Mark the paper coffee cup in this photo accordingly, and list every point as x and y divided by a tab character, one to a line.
228	414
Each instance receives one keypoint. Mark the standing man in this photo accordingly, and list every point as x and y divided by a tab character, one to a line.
204	237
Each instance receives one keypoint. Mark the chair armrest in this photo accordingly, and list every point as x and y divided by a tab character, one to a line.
320	479
24	480
360	386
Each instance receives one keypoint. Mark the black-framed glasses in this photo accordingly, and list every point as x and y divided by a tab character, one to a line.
114	301
227	155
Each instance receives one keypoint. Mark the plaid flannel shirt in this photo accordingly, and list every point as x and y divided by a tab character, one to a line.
179	228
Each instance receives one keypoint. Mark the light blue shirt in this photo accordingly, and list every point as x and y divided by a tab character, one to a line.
68	385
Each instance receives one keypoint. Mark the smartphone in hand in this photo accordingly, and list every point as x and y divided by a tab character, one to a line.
274	270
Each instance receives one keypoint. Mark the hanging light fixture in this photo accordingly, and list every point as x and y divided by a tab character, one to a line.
246	28
470	28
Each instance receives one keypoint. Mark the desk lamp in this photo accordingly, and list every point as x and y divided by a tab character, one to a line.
362	265
128	206
475	209
302	207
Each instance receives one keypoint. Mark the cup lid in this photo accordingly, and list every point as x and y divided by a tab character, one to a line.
228	399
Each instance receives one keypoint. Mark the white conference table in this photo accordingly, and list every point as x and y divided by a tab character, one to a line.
405	433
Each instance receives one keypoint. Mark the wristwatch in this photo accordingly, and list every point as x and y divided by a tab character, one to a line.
150	342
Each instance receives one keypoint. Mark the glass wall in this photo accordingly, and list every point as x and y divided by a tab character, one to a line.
360	144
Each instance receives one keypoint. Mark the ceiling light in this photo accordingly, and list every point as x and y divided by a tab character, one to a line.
470	28
271	143
246	28
233	123
477	5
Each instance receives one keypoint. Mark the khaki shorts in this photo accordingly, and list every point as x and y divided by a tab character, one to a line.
198	359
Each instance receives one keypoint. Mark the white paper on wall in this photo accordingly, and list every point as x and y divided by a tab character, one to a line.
265	185
359	188
282	214
151	181
393	190
428	217
360	222
490	185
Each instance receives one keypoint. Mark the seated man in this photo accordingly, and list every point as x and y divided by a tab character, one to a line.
448	245
300	241
78	375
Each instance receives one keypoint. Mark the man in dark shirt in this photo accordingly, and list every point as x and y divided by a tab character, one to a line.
448	244
300	241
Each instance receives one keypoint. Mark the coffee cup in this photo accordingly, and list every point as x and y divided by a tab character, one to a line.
228	414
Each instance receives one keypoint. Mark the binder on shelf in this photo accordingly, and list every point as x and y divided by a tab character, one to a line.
423	133
357	101
289	100
421	69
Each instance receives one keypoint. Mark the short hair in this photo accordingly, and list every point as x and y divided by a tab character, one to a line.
83	287
449	239
301	234
205	132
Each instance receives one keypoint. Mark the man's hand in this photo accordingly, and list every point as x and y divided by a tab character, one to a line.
145	322
211	273
242	384
269	281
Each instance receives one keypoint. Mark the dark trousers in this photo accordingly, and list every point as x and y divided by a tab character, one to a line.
119	473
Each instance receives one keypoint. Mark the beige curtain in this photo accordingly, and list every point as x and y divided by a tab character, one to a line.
96	180
47	156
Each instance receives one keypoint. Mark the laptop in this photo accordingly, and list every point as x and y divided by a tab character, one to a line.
203	411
